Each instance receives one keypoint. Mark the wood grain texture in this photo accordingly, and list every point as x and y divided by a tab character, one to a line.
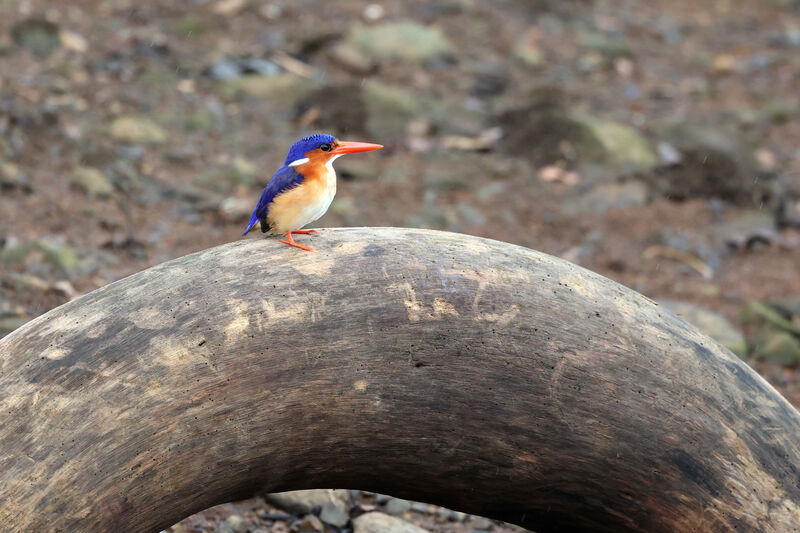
451	369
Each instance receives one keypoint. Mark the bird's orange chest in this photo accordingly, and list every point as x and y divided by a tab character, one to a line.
319	182
305	203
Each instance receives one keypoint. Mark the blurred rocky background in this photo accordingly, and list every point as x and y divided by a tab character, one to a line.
657	143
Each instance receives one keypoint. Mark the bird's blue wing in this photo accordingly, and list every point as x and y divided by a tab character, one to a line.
283	180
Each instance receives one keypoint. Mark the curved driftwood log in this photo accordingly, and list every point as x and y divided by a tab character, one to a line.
456	370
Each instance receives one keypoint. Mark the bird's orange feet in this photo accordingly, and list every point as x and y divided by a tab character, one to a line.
291	242
304	231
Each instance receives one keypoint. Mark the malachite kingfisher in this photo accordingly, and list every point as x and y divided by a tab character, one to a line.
302	189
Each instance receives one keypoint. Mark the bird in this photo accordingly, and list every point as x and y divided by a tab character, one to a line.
301	191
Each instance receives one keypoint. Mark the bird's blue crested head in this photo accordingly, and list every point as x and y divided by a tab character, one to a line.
306	144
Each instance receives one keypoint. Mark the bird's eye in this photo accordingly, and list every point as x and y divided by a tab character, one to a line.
325	147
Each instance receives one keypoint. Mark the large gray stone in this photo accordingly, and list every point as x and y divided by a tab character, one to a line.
762	317
38	35
745	229
340	109
283	89
11	317
55	256
779	347
712	163
389	110
624	146
547	131
712	324
405	40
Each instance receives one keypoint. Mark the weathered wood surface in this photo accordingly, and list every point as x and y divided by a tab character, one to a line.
466	372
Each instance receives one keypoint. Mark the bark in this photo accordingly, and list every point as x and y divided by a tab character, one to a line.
470	373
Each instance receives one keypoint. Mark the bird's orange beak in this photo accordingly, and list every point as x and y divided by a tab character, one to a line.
349	147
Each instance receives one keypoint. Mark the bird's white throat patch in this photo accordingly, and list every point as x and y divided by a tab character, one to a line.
298	162
329	164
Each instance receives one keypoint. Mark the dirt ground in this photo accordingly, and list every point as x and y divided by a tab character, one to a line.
655	143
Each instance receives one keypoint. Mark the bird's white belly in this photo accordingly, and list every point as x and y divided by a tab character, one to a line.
302	205
317	207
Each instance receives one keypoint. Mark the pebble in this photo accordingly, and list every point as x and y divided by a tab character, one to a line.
233	524
605	196
352	59
335	512
234	210
92	182
481	523
301	502
11	178
308	523
229	8
789	211
73	41
397	506
419	507
225	70
374	12
382	499
260	66
382	523
668	154
137	130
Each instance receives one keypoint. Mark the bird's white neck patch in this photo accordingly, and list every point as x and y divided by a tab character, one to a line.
298	162
329	164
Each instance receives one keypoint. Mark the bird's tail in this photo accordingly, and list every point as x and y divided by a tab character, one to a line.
253	220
